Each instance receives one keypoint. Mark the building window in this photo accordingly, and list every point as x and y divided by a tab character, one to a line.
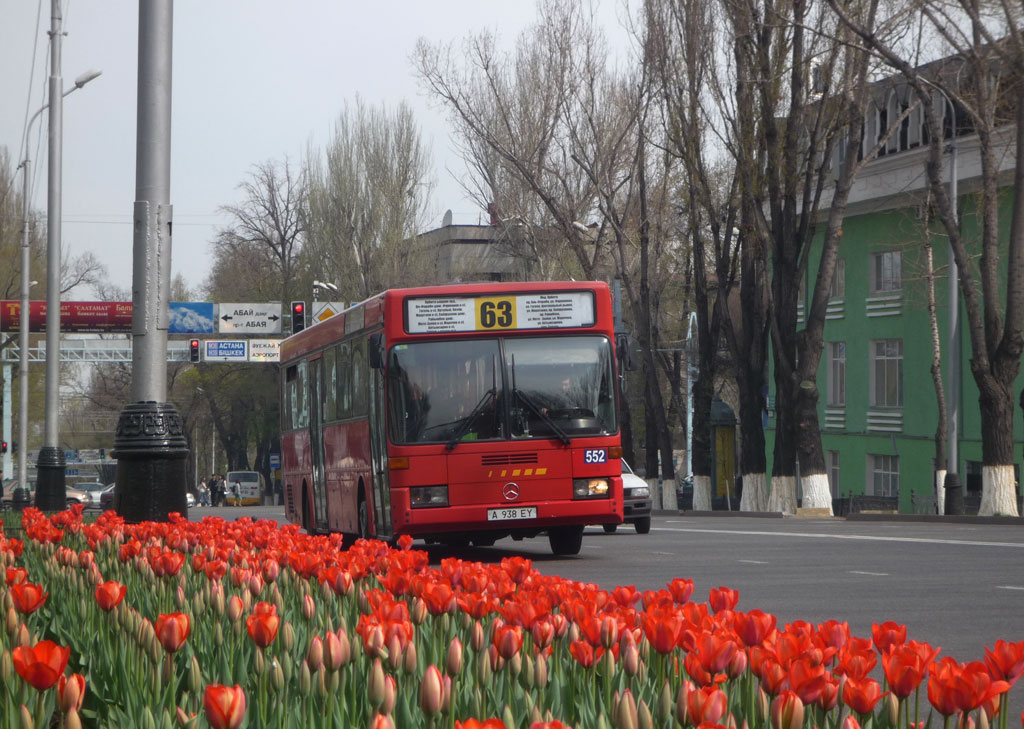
833	473
836	373
837	289
886	272
887	373
883	475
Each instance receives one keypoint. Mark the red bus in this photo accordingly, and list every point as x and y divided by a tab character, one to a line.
456	414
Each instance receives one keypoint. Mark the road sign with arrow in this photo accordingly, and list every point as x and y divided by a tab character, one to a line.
249	318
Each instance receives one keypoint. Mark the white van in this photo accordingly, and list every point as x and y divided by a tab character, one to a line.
249	487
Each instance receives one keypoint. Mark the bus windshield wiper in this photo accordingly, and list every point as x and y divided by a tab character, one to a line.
489	396
539	412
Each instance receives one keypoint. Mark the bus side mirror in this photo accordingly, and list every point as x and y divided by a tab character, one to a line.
376	351
625	353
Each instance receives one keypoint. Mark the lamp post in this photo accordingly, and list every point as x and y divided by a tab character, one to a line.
50	486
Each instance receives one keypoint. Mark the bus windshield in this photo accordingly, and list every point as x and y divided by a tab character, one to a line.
493	389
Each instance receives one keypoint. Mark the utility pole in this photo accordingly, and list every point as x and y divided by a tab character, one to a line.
150	444
51	493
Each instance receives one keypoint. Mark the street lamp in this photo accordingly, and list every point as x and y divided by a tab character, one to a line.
50	491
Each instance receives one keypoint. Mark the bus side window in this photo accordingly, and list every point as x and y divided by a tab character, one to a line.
300	399
359	386
329	389
344	380
288	398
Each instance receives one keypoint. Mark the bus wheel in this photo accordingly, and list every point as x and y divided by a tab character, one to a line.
643	525
610	528
565	540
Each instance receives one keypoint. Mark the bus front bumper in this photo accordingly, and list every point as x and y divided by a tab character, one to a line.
506	518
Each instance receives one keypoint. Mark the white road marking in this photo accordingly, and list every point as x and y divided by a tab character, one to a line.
667	554
869	574
1009	587
852	537
752	561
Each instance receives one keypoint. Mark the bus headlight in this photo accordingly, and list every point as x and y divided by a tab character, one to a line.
427	496
590	488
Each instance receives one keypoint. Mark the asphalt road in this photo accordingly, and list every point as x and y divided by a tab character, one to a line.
958	586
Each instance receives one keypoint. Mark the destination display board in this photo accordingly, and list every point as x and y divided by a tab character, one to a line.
556	310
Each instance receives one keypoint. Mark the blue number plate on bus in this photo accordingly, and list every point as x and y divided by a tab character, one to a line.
595	455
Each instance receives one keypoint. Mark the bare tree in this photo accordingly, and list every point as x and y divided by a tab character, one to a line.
982	77
368	195
265	236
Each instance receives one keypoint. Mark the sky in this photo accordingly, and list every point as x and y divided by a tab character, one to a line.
253	81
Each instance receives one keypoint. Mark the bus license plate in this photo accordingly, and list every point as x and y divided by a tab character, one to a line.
516	512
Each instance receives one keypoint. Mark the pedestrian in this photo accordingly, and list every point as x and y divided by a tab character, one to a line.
204	492
217	489
236	494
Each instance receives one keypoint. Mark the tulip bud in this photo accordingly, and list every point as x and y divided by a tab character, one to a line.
308	607
375	686
183	719
536	717
26	718
321	684
195	676
431	691
626	712
22	638
483	669
166	722
179	598
247	601
983	722
540	671
409	658
850	722
315	654
218	635
574	633
259	663
394	652
418	613
288	636
255	585
276	676
305	680
381	721
644	718
218	601
148	721
6	668
476	640
11	624
333	682
664	705
515	664
453	659
787	711
527	672
609	632
390	694
167	669
337	650
507	717
288	666
608	660
892	707
630	659
683	702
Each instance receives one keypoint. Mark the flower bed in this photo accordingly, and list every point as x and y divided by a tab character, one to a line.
244	623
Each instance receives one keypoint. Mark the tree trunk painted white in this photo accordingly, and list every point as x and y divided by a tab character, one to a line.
702	493
668	496
817	494
940	492
753	497
652	484
998	495
783	495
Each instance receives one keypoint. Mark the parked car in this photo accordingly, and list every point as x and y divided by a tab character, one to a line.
10	485
92	492
636	502
107	498
74	495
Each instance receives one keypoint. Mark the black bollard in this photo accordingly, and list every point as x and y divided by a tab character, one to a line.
954	495
150	448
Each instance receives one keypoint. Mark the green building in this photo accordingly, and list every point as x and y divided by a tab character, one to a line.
878	409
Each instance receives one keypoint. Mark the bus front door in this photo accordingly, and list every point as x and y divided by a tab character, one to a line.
316	444
379	457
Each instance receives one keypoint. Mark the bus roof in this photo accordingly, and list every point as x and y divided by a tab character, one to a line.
372	312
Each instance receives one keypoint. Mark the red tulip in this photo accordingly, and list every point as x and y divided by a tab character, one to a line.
807	680
28	597
383	721
71	692
706	704
722	598
508	639
42	664
431	691
172	630
861	695
904	670
109	595
224	706
888	634
16	574
262	628
485	724
583	652
681	589
1005	661
753	627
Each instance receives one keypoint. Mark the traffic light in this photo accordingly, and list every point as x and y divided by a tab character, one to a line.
3	446
298	316
193	350
103	453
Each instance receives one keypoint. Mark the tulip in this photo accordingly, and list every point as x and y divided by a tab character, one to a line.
224	706
172	630
382	721
787	711
625	713
887	635
70	692
409	659
390	694
308	607
109	595
42	664
431	691
315	654
494	723
706	704
861	695
850	722
26	718
337	650
508	639
453	658
262	627
1005	661
28	597
234	608
375	685
722	598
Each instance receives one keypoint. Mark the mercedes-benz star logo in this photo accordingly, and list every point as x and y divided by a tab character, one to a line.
510	491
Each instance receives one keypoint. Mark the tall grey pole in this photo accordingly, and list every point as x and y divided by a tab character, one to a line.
150	443
50	484
955	385
26	283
